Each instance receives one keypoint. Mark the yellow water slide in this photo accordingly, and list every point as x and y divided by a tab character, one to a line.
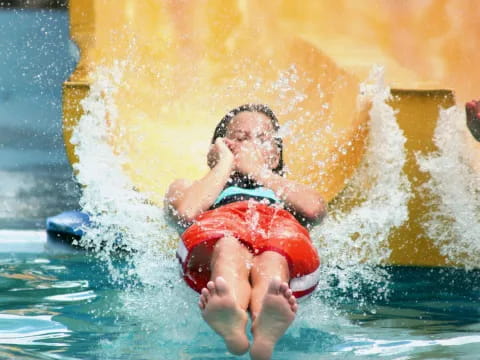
186	63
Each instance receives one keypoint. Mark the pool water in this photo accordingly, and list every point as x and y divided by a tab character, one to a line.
60	304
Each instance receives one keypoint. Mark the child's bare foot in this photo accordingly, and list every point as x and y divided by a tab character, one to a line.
278	311
221	312
473	118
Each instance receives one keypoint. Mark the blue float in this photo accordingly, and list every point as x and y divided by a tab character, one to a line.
67	226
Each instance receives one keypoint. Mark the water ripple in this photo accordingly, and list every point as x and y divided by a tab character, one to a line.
388	347
31	330
79	296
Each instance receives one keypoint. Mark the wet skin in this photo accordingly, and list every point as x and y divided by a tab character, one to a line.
473	118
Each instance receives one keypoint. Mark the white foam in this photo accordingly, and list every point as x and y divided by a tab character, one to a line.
452	192
117	209
353	238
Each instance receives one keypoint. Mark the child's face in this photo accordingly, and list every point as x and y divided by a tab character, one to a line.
256	128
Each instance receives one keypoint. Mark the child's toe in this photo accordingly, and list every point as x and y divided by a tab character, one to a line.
211	287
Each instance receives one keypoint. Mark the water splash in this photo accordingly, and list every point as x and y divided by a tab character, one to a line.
117	209
353	240
452	192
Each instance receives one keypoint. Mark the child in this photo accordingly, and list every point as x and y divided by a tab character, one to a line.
243	249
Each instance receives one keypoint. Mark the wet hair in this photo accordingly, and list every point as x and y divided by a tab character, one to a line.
221	129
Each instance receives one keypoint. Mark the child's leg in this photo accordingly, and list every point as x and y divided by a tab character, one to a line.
265	267
225	300
272	305
232	261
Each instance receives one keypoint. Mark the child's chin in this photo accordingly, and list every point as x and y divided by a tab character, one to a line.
242	180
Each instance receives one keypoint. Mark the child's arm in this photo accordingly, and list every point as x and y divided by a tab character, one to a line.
299	197
186	200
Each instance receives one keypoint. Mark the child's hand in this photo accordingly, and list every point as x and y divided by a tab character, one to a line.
220	152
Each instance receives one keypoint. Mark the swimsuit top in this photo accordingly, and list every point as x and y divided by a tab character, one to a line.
229	195
236	193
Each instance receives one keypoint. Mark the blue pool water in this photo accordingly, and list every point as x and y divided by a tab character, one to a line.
60	305
56	303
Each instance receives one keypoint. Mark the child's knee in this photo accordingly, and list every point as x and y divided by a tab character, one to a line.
270	264
227	245
232	252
